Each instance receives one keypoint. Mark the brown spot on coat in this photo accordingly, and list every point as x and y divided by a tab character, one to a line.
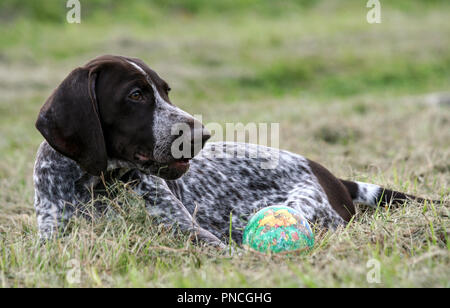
337	194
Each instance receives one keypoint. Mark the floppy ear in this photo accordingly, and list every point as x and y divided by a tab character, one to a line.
70	123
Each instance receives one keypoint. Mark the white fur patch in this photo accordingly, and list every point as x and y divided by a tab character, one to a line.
367	193
138	68
167	116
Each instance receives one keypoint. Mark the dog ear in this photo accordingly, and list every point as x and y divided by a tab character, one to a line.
70	122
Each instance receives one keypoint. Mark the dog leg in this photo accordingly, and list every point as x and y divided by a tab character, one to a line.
162	204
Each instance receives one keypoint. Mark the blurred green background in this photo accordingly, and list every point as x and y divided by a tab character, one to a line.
246	48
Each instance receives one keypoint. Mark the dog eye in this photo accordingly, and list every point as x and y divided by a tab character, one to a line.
136	95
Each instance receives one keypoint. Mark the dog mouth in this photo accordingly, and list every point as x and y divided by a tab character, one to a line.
180	163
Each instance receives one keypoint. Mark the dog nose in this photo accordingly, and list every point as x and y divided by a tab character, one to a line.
192	141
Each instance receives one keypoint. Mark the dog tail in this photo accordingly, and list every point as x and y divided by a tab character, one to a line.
374	195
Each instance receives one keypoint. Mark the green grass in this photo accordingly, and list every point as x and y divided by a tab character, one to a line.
347	94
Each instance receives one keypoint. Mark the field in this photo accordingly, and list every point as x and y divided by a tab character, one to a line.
371	102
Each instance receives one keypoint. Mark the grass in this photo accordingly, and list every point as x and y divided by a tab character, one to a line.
347	94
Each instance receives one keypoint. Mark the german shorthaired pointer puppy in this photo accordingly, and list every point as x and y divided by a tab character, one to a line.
114	116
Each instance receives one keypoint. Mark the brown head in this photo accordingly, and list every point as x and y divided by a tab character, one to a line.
118	108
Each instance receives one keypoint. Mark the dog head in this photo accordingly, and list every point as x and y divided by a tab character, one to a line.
118	108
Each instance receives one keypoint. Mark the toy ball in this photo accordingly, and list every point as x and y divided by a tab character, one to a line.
276	229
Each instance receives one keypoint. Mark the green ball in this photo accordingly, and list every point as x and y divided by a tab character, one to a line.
278	228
